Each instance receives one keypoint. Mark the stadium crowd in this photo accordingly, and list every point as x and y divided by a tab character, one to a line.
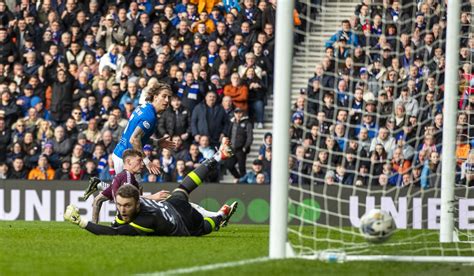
372	114
72	72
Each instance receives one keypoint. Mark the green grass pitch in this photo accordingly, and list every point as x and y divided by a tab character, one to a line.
55	248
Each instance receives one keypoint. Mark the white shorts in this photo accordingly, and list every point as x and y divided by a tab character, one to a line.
118	164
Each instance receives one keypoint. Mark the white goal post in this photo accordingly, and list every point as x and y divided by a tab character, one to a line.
281	138
449	125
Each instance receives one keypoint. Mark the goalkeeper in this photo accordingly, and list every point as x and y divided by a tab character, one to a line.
172	217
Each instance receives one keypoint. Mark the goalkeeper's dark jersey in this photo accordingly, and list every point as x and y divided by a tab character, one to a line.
154	219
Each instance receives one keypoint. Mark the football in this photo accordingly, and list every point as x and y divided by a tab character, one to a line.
377	226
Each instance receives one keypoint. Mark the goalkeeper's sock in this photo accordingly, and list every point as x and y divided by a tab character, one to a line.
195	178
103	185
212	224
204	212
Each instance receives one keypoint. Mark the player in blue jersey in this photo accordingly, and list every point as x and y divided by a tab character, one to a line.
142	125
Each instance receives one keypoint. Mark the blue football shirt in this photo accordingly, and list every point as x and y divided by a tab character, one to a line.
144	117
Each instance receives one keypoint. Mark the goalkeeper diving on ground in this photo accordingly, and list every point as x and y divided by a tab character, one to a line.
173	216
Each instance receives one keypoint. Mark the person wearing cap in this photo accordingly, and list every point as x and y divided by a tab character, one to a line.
109	31
241	137
251	176
199	42
53	158
351	37
24	101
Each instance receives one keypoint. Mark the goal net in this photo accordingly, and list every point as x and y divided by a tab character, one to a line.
367	115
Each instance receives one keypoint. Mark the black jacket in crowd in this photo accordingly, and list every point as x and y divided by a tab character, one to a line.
175	122
241	133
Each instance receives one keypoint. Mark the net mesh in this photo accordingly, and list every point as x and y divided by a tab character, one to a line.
368	88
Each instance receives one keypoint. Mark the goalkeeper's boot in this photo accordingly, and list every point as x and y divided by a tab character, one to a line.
228	211
92	188
225	150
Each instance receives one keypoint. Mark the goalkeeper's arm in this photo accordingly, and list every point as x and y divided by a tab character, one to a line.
72	215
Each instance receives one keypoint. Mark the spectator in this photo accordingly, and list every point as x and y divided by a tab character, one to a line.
53	158
110	32
5	138
431	172
4	171
194	157
18	170
267	142
384	139
176	120
43	171
76	173
204	147
91	169
209	119
241	137
467	170
8	109
61	144
180	172
228	107
256	97
78	155
61	97
250	176
113	127
238	91
168	164
92	132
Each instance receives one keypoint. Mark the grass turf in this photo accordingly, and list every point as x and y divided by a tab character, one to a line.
55	248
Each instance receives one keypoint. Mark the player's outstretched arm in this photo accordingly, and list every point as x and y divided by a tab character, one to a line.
124	230
159	196
166	143
96	205
72	215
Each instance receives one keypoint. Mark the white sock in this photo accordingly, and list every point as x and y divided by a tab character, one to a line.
204	212
102	185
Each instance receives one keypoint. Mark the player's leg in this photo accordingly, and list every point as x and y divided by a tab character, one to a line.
202	211
195	178
95	184
118	164
213	223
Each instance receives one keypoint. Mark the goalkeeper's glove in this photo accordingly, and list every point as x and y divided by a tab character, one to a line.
72	215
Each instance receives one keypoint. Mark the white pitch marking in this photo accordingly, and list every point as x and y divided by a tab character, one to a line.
207	267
